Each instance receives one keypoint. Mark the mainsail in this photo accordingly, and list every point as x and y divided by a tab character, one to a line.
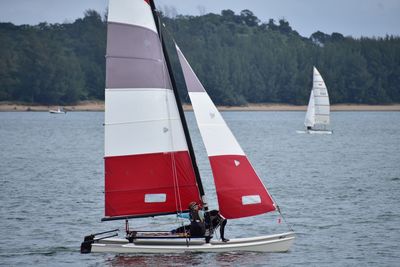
321	100
240	191
148	168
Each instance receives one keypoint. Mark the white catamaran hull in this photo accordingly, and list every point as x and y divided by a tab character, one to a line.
271	243
314	132
319	132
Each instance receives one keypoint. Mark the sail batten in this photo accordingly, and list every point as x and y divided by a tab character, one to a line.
240	191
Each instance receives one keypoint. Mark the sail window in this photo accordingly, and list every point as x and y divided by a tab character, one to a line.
237	163
253	199
155	198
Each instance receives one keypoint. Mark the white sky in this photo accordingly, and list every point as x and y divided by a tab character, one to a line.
349	17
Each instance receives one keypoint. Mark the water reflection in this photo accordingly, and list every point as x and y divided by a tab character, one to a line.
181	259
191	259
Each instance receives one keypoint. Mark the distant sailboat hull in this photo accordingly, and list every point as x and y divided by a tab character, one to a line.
318	131
58	111
270	243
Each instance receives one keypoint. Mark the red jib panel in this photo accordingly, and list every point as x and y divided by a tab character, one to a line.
234	179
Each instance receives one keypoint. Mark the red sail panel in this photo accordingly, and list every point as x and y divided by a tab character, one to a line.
240	192
145	184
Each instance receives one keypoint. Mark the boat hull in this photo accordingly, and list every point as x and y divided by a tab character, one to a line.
319	132
271	243
57	112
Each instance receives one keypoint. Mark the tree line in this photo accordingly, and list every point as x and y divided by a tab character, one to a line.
238	58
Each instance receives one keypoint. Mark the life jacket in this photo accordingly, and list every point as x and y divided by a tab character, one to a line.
194	216
197	225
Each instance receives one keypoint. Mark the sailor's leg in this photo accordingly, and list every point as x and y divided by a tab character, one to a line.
222	230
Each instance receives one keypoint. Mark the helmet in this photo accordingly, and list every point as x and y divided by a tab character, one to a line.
192	204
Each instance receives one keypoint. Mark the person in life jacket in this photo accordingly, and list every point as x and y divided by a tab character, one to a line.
197	222
198	226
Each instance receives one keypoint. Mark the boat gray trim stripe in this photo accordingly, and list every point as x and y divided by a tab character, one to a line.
134	58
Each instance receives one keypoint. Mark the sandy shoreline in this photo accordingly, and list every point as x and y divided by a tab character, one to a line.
99	106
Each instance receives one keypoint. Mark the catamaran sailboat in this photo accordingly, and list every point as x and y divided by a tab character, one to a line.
318	111
150	164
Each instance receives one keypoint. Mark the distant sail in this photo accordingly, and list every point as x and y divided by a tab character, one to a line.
321	99
318	110
148	170
240	191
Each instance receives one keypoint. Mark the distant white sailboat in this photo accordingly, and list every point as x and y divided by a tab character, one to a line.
318	111
57	111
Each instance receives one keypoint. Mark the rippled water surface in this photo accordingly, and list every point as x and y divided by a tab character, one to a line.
340	192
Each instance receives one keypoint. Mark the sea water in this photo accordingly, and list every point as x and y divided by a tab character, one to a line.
339	192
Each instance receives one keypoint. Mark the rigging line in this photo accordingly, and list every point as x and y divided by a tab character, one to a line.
178	201
284	218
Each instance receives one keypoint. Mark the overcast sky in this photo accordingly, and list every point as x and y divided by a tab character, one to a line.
349	17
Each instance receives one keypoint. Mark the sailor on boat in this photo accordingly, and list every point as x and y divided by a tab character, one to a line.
197	227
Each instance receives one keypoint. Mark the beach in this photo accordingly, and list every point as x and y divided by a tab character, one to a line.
99	106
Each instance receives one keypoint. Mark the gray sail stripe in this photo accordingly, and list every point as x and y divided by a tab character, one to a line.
134	58
136	73
192	82
124	40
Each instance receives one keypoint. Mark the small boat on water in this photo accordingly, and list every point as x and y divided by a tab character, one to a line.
317	118
150	163
57	111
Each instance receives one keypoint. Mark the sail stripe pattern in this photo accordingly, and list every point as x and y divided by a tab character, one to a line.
147	162
238	186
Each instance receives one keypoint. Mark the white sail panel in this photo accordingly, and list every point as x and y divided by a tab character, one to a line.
218	138
142	121
134	12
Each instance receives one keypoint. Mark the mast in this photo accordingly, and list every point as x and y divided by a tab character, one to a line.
179	104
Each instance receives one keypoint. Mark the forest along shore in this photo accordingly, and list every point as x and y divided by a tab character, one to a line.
99	106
